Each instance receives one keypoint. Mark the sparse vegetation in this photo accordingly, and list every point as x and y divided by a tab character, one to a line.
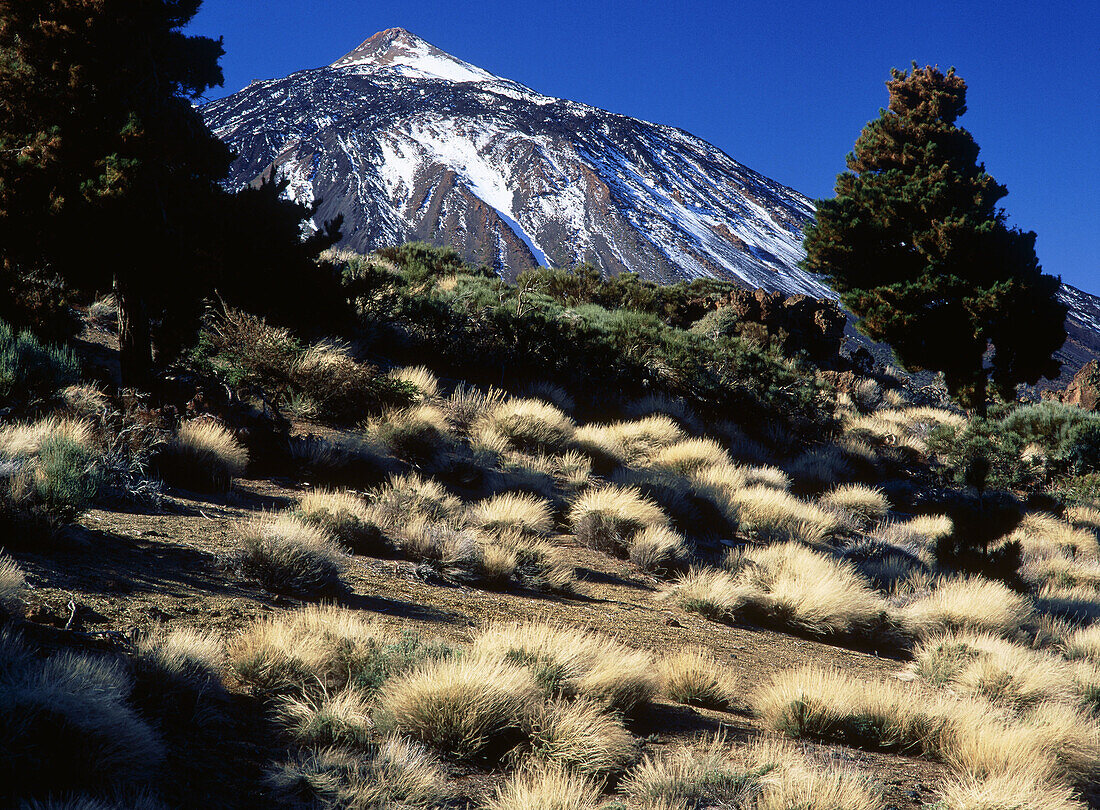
203	456
288	556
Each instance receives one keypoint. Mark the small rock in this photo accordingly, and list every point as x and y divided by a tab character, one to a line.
43	615
672	622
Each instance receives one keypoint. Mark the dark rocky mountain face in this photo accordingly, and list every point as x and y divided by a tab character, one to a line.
408	142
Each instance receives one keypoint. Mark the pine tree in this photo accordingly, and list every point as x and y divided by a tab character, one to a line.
917	248
104	163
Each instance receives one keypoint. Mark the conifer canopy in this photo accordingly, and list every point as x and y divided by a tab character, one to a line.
917	248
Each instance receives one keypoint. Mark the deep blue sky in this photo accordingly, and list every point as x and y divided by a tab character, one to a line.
782	87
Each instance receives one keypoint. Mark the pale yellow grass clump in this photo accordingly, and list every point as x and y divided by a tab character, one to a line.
1008	791
527	425
551	393
1080	603
1044	535
342	718
1061	571
526	513
395	773
458	706
581	735
786	585
659	549
343	514
868	504
538	563
689	455
203	455
663	405
777	515
698	774
985	665
410	496
316	647
970	735
419	377
459	553
574	662
608	518
290	556
970	604
546	787
25	439
790	780
628	443
1084	517
1084	643
693	677
184	654
12	583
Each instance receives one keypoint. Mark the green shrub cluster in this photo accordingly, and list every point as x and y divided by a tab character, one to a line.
608	340
30	371
272	364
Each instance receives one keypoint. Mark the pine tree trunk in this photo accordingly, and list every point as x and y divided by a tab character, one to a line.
135	349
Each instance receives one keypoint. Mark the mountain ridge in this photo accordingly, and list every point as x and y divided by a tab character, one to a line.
409	142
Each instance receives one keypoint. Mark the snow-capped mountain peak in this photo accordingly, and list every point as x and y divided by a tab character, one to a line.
409	55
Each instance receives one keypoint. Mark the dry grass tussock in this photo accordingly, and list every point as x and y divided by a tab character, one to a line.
527	425
1044	535
581	735
659	550
773	514
987	666
1050	742
1080	604
662	405
12	584
183	655
608	518
140	801
538	564
728	478
420	435
419	377
512	511
769	775
693	677
466	404
24	440
460	554
321	649
458	706
1061	571
204	456
626	443
344	515
288	556
968	604
340	719
546	787
74	710
818	468
1015	791
394	773
905	426
786	585
868	504
410	496
551	394
686	456
1083	643
570	662
1084	517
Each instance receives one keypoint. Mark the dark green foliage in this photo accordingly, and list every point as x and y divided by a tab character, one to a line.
390	658
31	372
488	331
915	244
1082	447
97	129
981	454
423	262
67	477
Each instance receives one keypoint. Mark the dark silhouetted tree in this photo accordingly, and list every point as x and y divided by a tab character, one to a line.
917	248
104	162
